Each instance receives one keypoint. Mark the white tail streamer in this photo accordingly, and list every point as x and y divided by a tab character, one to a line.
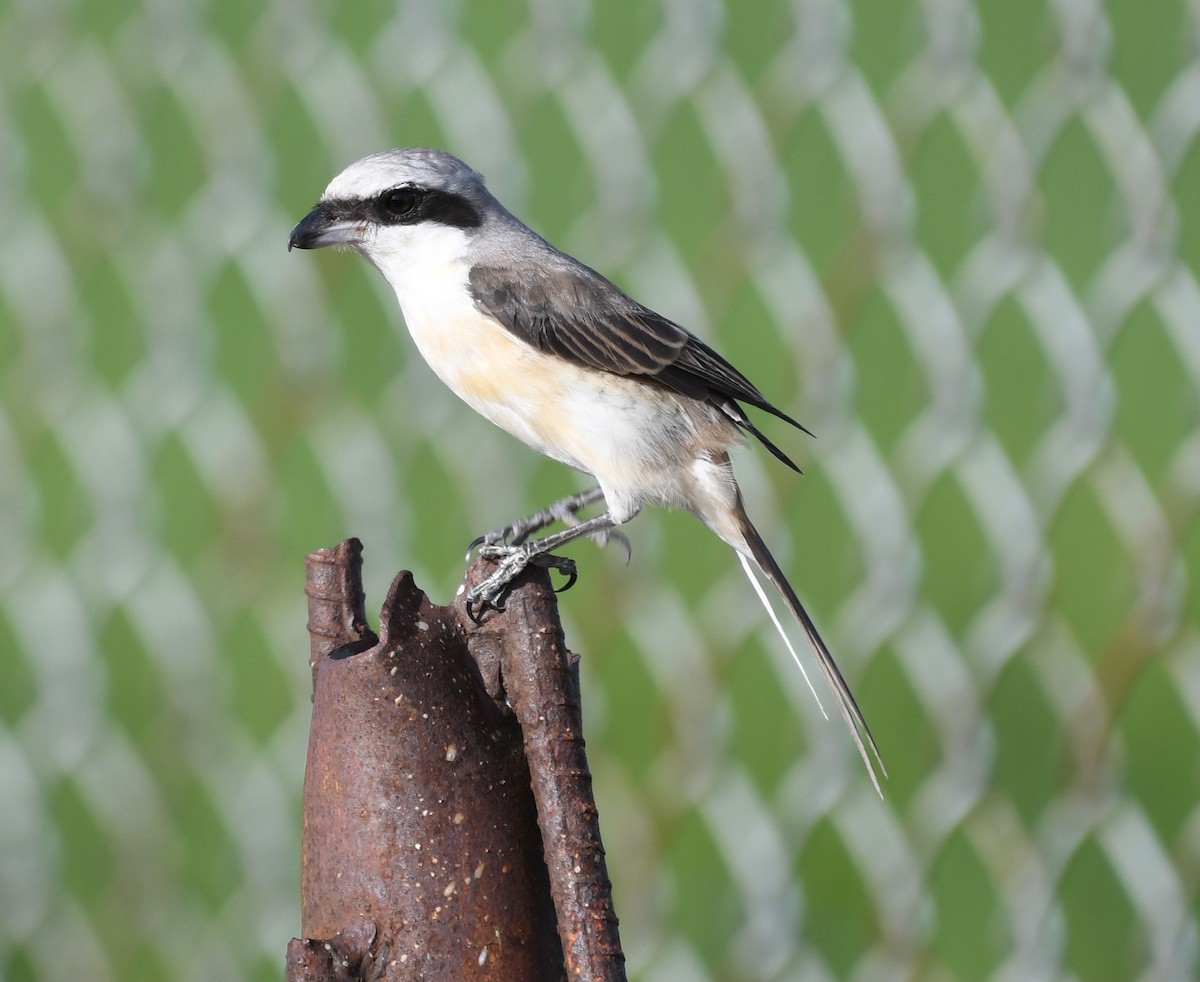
766	602
758	551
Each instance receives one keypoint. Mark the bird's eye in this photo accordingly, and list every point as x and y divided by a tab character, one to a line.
399	202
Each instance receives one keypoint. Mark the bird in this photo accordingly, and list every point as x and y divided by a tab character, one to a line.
552	352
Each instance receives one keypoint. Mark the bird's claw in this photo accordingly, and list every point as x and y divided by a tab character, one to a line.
563	565
511	561
612	535
497	537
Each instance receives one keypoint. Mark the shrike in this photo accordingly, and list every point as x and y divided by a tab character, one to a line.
551	351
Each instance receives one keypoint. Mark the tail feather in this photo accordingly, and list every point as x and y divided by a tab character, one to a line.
779	627
841	691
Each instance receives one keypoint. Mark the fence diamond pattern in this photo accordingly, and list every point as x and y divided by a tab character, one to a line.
958	239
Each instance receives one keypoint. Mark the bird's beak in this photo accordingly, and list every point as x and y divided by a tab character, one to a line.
324	226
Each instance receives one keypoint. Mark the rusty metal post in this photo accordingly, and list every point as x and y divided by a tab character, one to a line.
422	853
540	679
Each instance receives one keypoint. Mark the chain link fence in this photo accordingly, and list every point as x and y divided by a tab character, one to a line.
959	240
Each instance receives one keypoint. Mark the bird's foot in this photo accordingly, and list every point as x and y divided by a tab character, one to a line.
511	561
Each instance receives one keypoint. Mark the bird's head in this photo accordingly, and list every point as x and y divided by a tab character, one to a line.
391	206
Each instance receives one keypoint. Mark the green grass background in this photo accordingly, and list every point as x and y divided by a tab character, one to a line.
165	569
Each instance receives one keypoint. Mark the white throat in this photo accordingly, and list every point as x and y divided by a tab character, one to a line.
420	259
427	268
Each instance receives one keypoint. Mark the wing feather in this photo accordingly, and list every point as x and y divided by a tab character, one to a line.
572	311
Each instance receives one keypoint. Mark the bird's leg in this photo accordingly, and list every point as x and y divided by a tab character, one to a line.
512	559
566	511
561	511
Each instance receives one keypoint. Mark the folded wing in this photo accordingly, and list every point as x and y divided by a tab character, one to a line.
572	311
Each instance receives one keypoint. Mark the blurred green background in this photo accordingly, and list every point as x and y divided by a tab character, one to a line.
959	240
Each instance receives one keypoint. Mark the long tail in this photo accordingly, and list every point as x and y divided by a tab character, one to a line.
841	691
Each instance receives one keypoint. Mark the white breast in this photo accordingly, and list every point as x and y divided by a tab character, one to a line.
624	431
487	367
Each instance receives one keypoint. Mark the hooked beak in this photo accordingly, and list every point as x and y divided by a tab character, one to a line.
324	226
